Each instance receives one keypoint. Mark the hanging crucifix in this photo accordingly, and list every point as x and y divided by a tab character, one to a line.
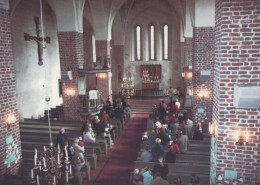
39	40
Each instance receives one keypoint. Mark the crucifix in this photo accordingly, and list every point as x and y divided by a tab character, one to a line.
39	40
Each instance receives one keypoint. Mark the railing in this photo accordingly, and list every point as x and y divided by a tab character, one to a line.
89	106
151	93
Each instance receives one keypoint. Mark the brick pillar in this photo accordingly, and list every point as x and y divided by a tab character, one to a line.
118	63
103	85
237	61
188	51
71	58
9	134
203	58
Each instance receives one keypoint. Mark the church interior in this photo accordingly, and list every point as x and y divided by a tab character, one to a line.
62	62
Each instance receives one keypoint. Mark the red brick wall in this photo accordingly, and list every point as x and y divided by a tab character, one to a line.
118	59
8	102
203	58
71	57
237	61
102	50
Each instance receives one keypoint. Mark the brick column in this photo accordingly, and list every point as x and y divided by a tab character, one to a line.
188	51
71	57
103	85
9	134
203	57
118	62
237	61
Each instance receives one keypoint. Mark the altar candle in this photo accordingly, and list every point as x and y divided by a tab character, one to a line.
58	159
38	183
44	163
32	174
35	160
67	177
54	180
58	148
70	170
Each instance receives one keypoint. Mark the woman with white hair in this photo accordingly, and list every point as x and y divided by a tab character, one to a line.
157	149
78	150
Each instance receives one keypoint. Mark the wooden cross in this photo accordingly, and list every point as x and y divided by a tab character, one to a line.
39	40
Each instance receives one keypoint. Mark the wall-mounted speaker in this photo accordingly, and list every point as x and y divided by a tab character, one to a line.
205	75
246	96
66	75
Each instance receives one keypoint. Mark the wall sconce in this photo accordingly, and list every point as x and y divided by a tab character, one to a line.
242	137
211	129
11	119
102	75
204	93
70	92
189	75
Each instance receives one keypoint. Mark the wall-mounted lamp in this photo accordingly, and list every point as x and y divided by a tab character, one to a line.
11	119
211	129
102	75
189	75
204	93
70	92
242	137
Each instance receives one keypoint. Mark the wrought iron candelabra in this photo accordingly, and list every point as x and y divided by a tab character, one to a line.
51	167
127	89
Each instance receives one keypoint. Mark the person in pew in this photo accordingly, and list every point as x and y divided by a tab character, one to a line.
81	142
161	111
78	149
108	102
104	117
98	127
146	155
147	177
162	168
119	112
170	156
177	181
174	109
151	138
84	126
136	177
175	126
108	110
157	150
159	180
61	138
194	179
163	136
197	134
155	110
188	126
183	141
88	136
175	147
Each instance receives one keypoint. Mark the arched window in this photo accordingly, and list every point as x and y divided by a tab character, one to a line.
152	38
165	42
138	42
94	48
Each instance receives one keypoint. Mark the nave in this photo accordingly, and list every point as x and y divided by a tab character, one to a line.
115	166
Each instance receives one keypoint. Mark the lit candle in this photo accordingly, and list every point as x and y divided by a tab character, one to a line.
35	160
44	148
209	127
66	153
58	148
32	174
36	152
54	180
38	182
44	162
70	170
40	165
58	159
67	177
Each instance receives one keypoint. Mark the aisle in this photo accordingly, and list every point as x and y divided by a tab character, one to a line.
117	170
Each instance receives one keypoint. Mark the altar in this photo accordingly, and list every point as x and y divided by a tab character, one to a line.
151	77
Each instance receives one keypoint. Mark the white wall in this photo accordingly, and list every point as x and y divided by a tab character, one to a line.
204	13
29	75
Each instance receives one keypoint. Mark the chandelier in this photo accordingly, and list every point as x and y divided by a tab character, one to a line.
51	167
127	90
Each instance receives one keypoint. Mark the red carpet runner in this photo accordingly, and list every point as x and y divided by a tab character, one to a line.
121	163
